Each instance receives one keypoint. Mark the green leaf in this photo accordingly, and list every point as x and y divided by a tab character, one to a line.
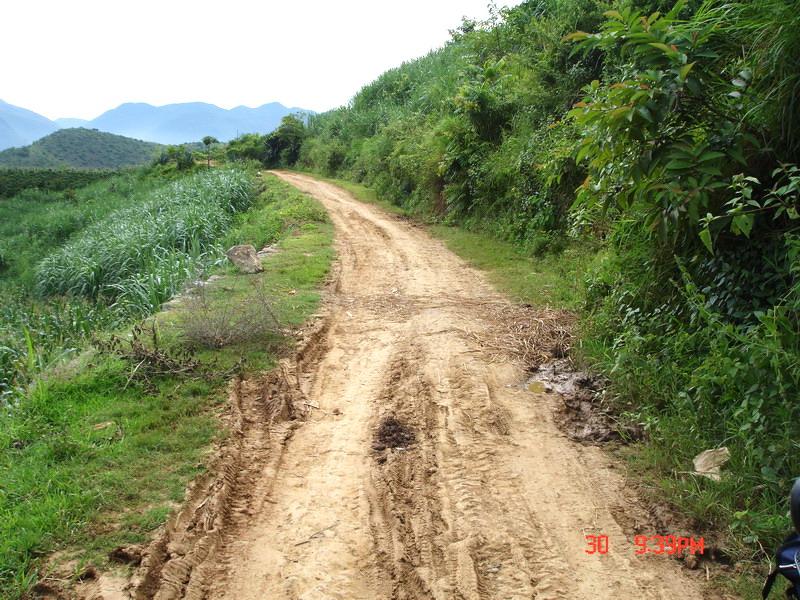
620	112
574	36
31	362
678	165
645	113
694	86
742	224
613	14
693	212
705	237
710	170
661	46
583	152
684	72
737	154
710	155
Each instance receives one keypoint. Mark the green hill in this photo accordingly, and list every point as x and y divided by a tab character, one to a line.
81	149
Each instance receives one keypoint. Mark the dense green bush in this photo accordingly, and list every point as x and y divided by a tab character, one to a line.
688	148
472	132
281	148
181	156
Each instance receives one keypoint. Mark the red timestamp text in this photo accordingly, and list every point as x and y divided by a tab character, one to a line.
670	545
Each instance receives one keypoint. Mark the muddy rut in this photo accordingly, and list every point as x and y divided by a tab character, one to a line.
397	457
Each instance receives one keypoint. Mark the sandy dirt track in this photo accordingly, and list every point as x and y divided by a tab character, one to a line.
490	501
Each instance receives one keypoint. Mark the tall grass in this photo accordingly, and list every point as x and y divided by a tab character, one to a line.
33	334
34	223
115	250
139	256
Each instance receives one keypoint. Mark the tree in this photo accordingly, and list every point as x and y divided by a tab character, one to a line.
283	144
250	146
208	141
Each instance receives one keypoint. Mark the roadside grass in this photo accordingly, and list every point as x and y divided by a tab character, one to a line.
99	459
552	279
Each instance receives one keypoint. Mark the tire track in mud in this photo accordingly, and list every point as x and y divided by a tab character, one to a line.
490	501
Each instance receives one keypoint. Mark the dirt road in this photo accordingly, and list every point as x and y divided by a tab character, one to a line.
489	500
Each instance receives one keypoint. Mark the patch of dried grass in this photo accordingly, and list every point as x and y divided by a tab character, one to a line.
524	334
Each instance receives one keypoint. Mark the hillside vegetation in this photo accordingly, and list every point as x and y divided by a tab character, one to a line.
664	135
81	149
118	251
15	180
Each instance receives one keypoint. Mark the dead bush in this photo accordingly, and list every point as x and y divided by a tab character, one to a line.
213	320
148	358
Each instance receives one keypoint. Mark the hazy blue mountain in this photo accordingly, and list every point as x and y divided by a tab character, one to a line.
19	126
80	149
189	122
170	124
71	123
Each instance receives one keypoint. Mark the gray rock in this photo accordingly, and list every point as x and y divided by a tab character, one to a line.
245	258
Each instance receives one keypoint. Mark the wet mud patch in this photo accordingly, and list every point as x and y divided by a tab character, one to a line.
393	433
584	413
126	555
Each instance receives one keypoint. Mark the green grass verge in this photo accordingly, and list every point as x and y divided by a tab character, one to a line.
92	461
554	280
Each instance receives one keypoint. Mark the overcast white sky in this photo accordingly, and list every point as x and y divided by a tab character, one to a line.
80	58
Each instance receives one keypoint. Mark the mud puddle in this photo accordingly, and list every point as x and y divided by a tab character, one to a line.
584	412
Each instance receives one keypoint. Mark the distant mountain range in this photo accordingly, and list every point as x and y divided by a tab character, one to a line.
169	124
80	149
19	127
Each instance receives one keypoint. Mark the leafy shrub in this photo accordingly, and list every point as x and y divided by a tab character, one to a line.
250	146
